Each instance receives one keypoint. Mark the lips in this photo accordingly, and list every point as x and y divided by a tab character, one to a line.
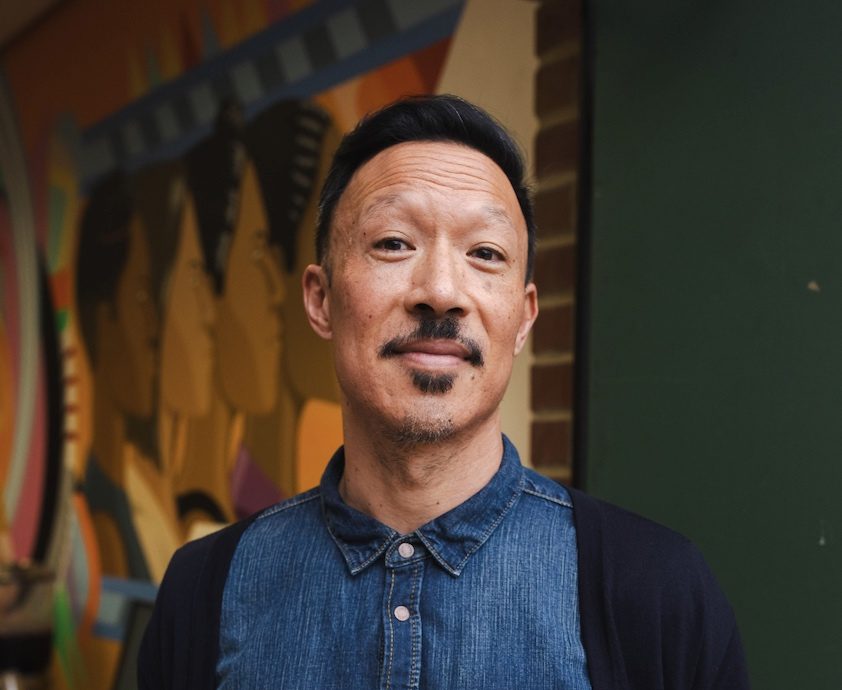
433	354
431	348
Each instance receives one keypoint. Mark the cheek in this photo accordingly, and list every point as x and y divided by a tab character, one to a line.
363	303
503	317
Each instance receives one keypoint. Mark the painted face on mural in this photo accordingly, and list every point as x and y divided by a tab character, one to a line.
426	302
308	359
248	312
187	338
128	336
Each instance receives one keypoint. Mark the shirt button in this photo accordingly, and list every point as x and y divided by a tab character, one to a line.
406	550
401	613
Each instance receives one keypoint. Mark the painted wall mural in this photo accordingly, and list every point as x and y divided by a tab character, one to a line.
158	176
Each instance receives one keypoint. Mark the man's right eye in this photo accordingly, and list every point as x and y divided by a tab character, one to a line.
392	244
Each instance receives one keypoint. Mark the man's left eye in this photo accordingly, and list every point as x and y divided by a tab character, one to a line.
487	254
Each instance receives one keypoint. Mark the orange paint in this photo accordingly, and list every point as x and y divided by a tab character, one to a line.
319	435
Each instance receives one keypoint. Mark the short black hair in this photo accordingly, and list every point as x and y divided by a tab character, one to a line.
444	118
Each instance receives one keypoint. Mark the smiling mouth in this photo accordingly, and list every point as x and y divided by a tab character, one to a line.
433	354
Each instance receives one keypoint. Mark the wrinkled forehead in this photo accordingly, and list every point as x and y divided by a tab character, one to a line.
431	169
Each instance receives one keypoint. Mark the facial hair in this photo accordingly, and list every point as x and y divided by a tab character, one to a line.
413	431
434	329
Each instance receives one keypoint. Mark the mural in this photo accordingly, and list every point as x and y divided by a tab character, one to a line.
157	205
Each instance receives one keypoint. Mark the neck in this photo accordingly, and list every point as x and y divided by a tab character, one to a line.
406	487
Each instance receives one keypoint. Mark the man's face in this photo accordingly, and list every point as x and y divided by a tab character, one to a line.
426	302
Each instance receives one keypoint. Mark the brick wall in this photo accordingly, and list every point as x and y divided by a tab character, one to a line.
558	45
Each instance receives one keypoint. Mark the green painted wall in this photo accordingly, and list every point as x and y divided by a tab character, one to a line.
715	374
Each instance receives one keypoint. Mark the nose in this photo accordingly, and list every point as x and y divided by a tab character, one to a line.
437	284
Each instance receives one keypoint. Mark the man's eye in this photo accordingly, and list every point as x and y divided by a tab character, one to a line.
487	254
392	244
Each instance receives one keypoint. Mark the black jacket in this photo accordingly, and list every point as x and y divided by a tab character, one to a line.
652	615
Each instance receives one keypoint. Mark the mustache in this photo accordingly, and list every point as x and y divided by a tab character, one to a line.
434	329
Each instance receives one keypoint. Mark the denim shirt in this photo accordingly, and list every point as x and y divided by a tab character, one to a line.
485	596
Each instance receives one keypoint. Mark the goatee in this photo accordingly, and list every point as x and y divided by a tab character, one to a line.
434	329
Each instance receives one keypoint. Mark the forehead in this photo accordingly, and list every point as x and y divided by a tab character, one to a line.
445	170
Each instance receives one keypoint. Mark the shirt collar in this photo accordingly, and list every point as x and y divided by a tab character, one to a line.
451	538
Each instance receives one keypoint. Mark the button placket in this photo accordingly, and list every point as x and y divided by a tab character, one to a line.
402	620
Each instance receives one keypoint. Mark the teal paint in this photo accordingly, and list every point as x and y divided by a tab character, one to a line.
715	360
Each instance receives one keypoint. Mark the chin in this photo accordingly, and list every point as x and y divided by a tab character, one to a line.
414	430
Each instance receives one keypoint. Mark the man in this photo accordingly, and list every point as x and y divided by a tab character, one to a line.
428	556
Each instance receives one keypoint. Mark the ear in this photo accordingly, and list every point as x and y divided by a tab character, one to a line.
530	313
315	287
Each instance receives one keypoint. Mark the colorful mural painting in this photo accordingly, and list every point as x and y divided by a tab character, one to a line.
158	172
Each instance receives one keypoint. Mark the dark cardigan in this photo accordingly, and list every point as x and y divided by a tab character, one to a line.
653	617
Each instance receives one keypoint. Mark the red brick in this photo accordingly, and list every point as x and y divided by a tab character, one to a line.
552	445
555	211
555	270
552	387
557	149
557	85
553	331
557	22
